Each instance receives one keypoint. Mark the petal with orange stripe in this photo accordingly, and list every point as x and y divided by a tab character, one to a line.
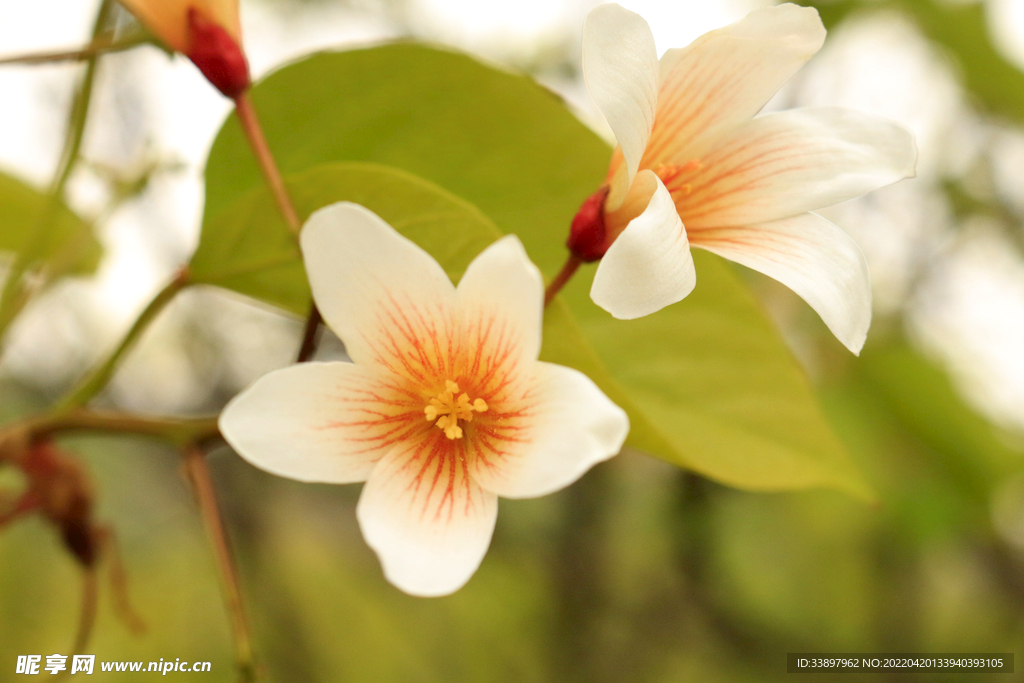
427	519
791	162
725	77
445	406
323	422
812	257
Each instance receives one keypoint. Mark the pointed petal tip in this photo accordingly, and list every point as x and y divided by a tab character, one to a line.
814	258
855	344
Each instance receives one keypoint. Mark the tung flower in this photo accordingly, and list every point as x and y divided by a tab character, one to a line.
692	153
444	408
206	31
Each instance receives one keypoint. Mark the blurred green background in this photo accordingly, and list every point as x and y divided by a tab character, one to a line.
639	572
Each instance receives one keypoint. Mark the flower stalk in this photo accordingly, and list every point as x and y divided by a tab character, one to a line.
564	275
98	378
311	335
206	498
177	431
265	159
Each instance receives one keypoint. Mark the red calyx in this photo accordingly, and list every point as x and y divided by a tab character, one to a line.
587	236
217	55
60	490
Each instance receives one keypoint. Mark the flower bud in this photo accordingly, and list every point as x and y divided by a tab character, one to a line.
588	238
217	54
206	31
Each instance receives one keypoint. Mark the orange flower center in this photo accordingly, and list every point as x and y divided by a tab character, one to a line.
675	177
447	410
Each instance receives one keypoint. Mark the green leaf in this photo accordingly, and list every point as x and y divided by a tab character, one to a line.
71	249
495	138
717	382
707	382
248	248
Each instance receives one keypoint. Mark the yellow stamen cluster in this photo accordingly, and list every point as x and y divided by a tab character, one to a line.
672	174
448	410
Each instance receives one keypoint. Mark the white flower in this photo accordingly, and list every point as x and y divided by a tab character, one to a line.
691	152
444	407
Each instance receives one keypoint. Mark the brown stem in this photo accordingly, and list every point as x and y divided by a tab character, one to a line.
206	498
254	134
311	336
118	577
179	431
94	382
91	50
87	618
568	270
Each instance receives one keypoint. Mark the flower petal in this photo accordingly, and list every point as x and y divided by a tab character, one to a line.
812	257
388	300
792	162
503	289
168	19
620	65
725	77
572	426
324	422
165	18
425	517
649	265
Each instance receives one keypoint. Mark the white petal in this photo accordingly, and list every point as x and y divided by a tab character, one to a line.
573	426
649	265
503	285
428	521
620	65
812	257
725	77
388	300
324	422
792	162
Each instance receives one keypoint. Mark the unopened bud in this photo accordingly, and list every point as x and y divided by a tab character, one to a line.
218	55
587	235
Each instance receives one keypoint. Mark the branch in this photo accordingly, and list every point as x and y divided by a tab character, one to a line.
206	498
91	385
178	431
90	51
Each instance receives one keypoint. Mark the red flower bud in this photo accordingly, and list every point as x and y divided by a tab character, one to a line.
588	236
217	54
